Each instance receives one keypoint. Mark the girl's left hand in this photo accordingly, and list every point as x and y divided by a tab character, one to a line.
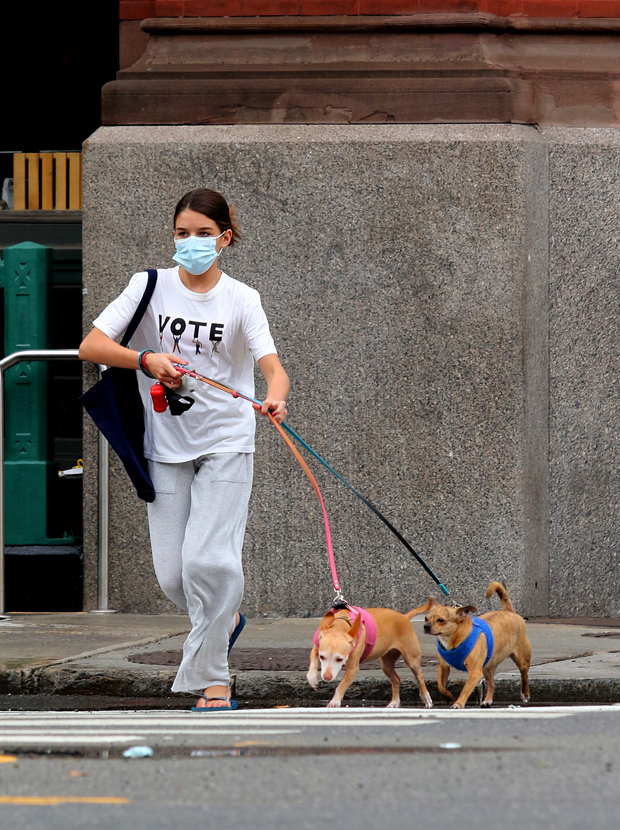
278	409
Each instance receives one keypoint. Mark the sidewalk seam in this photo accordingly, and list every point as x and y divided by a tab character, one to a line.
107	649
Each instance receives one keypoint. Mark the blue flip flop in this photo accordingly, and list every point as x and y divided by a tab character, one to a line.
239	628
233	705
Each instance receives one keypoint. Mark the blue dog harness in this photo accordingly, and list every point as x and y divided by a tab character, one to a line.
455	657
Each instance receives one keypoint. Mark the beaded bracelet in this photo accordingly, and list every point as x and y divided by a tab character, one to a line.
142	364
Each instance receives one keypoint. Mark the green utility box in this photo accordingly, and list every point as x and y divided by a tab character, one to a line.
29	472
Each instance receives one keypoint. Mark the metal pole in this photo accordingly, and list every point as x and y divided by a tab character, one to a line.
104	506
2	583
6	363
103	535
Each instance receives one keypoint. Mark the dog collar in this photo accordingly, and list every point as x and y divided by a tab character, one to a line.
455	657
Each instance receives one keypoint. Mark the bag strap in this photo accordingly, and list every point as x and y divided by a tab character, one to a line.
142	307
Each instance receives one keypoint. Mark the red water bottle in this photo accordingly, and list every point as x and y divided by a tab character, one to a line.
158	394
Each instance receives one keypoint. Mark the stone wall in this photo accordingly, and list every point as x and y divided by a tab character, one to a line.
405	272
584	284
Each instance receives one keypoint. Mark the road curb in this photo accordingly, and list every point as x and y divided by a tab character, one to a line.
269	688
62	680
293	687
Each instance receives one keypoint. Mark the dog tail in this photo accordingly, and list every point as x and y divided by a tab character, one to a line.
502	593
421	610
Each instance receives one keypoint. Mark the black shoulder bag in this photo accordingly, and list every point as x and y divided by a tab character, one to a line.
115	405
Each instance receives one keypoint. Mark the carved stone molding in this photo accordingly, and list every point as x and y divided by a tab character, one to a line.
401	69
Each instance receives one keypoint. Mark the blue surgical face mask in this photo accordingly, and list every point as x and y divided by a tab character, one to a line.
196	253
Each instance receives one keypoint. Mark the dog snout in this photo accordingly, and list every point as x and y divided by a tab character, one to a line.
427	628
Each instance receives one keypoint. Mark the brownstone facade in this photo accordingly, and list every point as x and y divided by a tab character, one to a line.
367	61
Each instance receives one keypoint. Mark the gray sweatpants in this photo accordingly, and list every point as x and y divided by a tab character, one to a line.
197	524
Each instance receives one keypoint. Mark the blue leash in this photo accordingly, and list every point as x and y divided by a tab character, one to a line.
368	504
371	506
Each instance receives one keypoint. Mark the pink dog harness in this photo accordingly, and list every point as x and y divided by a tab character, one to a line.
367	622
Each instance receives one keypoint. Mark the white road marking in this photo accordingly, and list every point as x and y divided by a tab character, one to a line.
75	738
151	725
100	728
4	733
290	717
84	737
312	712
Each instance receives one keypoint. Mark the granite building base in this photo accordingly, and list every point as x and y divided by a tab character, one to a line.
584	415
404	270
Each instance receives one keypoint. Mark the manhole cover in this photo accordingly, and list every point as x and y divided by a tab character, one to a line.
598	622
602	634
256	659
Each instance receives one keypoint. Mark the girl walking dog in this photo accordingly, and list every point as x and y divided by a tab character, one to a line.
200	449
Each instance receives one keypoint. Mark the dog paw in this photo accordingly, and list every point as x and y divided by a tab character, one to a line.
428	702
456	706
393	704
525	699
486	704
333	704
313	680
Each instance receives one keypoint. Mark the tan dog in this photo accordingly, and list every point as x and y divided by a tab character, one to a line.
452	626
342	643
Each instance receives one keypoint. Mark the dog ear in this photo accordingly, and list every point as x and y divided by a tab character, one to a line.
464	610
355	628
327	621
431	602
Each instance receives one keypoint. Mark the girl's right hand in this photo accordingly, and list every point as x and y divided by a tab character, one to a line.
161	366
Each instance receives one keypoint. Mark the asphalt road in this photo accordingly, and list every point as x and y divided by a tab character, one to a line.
553	767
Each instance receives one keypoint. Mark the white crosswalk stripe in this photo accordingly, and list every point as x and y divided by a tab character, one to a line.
101	728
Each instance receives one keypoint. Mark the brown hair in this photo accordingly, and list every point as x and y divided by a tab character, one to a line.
212	205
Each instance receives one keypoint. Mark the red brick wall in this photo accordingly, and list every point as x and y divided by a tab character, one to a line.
140	9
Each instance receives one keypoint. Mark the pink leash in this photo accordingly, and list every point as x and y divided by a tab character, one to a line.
258	405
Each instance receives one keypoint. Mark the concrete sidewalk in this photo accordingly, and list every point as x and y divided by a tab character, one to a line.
132	657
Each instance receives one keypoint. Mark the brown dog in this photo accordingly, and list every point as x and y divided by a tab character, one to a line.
452	627
345	639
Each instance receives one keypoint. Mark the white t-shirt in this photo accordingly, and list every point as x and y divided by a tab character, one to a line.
221	334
